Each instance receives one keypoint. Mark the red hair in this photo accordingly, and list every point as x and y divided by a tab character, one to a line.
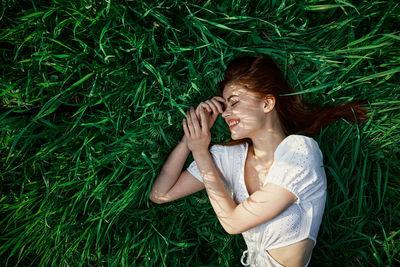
262	76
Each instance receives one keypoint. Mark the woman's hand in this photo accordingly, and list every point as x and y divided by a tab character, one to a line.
197	137
212	107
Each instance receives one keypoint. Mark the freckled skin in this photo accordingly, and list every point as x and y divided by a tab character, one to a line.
246	107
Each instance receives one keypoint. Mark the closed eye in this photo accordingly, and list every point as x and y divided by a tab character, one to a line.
224	106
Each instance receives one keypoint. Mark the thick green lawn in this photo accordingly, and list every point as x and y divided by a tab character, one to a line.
93	94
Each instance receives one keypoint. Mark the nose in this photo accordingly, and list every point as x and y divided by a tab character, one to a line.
226	112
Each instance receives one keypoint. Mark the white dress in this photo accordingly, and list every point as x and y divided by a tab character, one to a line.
297	167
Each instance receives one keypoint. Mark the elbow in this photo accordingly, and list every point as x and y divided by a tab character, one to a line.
230	229
157	199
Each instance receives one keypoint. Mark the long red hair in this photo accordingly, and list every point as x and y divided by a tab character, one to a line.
262	76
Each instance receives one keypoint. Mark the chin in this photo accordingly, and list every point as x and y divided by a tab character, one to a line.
235	137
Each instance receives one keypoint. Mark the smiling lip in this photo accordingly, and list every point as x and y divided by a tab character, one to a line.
230	128
231	120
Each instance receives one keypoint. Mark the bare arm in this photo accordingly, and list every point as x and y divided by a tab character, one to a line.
171	183
263	205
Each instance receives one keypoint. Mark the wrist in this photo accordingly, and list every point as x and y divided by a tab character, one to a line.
183	141
200	153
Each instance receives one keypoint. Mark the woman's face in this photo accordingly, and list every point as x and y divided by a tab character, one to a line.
244	111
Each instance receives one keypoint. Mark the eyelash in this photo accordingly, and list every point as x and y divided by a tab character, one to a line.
232	104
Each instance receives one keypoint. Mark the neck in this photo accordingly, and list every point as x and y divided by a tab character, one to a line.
264	147
265	142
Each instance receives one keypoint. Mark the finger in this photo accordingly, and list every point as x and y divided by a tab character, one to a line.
198	111
222	100
189	123
219	99
185	128
214	116
218	105
206	106
192	119
195	121
204	121
213	106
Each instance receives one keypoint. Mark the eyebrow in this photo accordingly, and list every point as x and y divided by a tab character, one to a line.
229	98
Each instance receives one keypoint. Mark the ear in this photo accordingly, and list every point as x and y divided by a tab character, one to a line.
269	103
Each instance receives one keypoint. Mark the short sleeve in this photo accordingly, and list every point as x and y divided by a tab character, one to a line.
299	169
220	158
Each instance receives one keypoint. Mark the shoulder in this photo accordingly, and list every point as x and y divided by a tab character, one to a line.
218	152
299	150
230	155
298	167
297	140
299	146
216	148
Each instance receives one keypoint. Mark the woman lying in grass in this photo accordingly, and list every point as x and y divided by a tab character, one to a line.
269	184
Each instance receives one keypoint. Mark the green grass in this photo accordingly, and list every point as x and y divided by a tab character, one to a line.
108	83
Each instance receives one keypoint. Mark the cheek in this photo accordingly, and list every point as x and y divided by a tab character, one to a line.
257	121
248	119
255	118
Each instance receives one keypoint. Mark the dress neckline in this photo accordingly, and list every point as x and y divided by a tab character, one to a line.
246	149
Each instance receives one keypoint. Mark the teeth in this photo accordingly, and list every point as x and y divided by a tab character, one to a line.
233	122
